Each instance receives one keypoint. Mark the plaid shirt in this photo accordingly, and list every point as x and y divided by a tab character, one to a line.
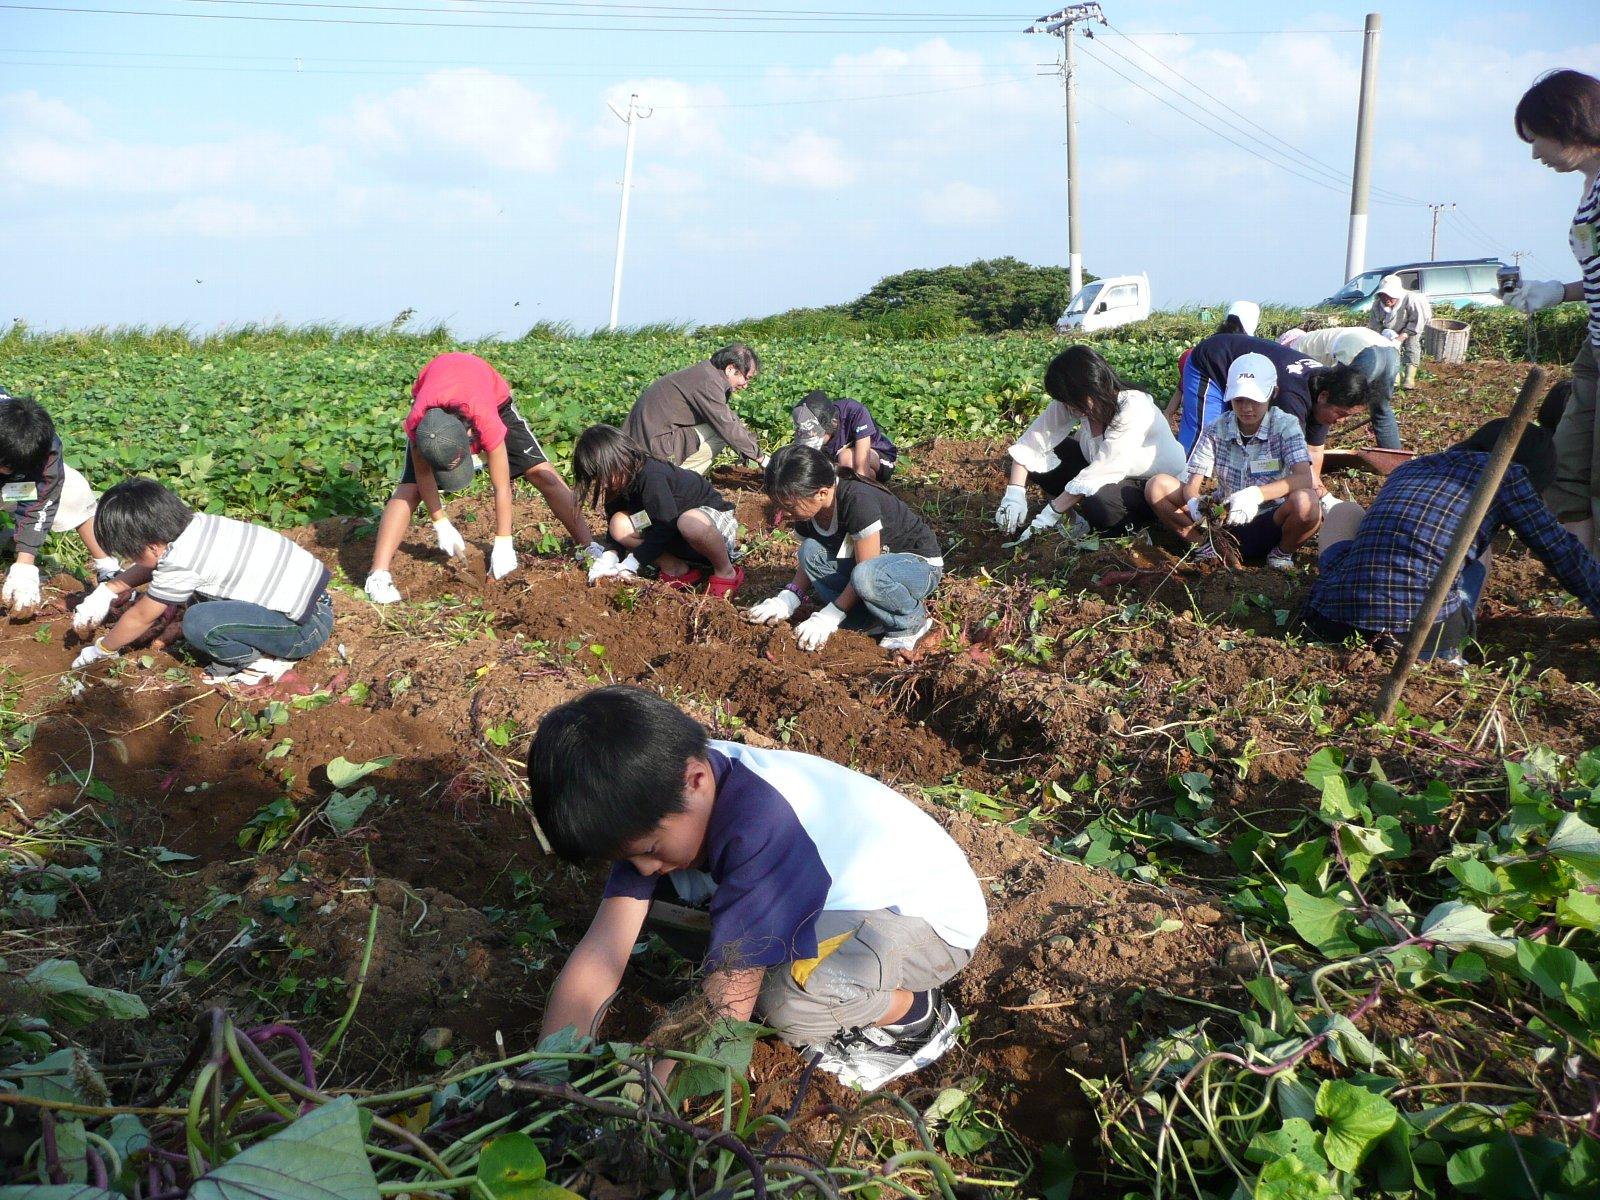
1236	461
1378	580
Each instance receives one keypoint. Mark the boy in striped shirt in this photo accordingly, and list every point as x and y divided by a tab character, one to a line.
261	602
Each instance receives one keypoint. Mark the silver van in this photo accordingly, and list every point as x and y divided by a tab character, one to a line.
1464	281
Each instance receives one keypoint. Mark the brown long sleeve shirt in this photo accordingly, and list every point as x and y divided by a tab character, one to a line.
664	416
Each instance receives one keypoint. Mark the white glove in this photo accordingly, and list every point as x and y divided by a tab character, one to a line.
763	461
1329	502
1047	519
1195	511
604	567
22	586
96	606
1243	505
106	568
91	654
1013	510
1392	334
818	627
591	554
628	568
503	558
450	539
1541	293
774	611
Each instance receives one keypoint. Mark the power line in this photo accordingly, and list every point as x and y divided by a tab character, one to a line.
1308	158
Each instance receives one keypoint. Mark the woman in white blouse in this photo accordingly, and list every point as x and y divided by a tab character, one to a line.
1090	452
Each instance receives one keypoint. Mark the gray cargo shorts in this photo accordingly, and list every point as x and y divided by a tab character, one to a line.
852	984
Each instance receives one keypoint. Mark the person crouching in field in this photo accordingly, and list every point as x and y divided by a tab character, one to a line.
844	430
1090	452
43	496
1258	456
687	417
658	513
869	558
1377	566
263	602
462	406
838	908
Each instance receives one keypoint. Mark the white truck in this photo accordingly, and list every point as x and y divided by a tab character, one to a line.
1107	303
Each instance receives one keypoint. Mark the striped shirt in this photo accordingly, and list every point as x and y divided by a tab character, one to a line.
1235	461
1584	238
218	558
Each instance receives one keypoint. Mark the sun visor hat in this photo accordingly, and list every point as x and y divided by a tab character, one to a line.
814	418
1391	287
1252	376
443	440
1249	314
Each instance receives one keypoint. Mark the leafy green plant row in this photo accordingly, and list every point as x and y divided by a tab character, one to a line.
1468	912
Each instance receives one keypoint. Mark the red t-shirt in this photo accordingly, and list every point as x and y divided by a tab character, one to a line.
469	387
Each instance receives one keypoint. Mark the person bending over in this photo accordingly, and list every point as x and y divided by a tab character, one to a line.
462	406
1258	457
870	560
838	908
1372	356
687	417
43	496
844	430
261	603
1090	452
660	514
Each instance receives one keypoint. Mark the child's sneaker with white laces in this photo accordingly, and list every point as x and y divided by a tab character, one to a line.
1280	559
871	1057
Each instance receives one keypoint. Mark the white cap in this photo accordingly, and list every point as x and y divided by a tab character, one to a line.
1252	376
1391	286
1248	312
1290	336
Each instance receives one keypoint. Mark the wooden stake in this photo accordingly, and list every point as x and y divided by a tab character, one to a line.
1477	508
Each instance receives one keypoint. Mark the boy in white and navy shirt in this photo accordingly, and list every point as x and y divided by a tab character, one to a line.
263	602
837	907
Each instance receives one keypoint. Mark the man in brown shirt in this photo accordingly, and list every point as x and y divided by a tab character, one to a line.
685	417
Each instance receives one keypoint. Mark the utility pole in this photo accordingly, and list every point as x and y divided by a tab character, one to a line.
1518	255
1355	254
1060	24
1433	240
634	115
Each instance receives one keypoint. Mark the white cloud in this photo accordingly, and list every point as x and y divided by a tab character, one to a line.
213	217
42	115
473	115
807	160
958	204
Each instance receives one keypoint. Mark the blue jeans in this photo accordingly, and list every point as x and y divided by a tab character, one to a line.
1380	367
232	633
894	588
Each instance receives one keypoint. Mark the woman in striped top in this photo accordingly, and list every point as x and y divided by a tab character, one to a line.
1559	116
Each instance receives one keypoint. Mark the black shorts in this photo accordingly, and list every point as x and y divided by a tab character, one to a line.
522	449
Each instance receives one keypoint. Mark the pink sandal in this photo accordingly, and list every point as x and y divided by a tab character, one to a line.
722	589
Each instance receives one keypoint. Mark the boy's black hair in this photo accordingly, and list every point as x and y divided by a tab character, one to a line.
26	435
824	410
605	460
1232	324
1536	452
1564	105
138	513
605	768
1341	386
739	356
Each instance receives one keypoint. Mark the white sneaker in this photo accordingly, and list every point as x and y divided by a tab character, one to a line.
1280	559
906	641
272	669
218	675
381	589
871	1057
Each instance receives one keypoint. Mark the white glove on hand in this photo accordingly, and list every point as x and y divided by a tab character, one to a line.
95	608
774	611
450	539
1013	510
106	568
22	586
604	567
628	568
1194	509
91	654
816	629
1392	334
1541	293
1047	519
591	554
1244	505
502	558
763	461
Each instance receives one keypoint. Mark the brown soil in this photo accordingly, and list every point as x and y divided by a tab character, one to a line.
1006	699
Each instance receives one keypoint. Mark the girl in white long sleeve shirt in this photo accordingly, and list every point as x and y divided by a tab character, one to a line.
1091	451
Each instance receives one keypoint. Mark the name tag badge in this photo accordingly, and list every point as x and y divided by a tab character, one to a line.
1585	240
1265	466
641	521
18	493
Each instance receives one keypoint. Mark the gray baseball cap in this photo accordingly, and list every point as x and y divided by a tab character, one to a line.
443	439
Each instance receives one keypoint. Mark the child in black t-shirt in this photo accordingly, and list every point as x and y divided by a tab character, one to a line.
658	513
870	559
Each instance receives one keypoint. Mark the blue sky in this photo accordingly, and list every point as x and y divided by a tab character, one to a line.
207	171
